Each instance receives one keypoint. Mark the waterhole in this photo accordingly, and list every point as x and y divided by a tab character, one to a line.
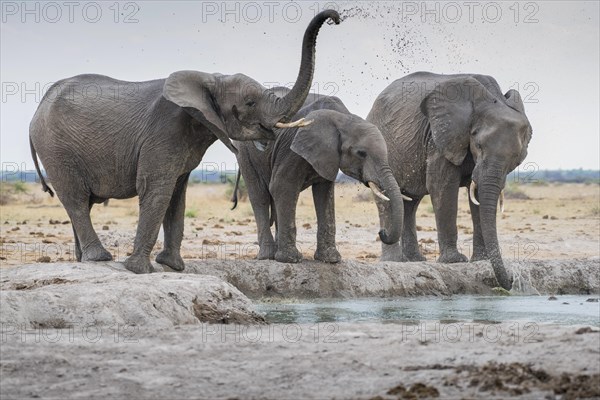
565	310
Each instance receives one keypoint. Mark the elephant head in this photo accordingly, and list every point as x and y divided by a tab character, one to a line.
466	117
334	141
236	106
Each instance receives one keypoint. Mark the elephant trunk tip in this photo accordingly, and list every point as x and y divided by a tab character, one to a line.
385	237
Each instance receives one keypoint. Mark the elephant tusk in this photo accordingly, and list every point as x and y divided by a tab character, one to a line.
405	197
377	192
300	123
472	192
501	201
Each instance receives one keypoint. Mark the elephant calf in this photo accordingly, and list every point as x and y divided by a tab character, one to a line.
312	156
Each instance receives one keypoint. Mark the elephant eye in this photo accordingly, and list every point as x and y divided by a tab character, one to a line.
250	103
362	153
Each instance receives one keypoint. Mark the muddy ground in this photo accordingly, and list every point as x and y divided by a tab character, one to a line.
324	361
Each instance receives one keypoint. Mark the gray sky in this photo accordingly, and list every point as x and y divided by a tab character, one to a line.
549	51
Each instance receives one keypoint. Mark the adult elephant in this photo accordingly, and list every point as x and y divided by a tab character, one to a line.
444	132
275	173
101	138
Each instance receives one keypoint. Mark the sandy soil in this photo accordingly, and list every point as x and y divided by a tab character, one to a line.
558	221
428	359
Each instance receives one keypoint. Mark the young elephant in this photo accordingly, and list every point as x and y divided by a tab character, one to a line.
312	156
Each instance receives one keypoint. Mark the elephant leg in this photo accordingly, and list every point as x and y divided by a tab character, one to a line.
410	243
260	200
155	198
479	252
87	244
443	188
173	223
77	245
324	199
285	196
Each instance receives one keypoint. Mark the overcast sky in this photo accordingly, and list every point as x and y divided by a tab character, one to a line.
549	51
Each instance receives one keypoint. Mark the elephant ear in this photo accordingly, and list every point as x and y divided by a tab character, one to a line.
449	109
193	91
319	144
514	101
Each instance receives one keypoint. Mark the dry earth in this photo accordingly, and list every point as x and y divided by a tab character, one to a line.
321	361
558	221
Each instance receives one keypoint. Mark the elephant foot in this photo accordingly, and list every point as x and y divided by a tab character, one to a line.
451	257
478	255
267	252
96	253
413	255
139	264
288	255
328	255
170	259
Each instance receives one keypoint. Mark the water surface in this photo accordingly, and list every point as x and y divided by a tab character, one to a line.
567	310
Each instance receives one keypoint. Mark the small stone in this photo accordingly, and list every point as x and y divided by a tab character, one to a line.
44	259
545	217
592	300
105	228
552	298
583	330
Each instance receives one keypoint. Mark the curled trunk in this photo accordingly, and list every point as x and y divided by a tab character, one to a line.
286	107
488	194
394	209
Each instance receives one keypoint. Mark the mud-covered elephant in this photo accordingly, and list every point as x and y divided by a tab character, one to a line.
444	132
311	156
102	138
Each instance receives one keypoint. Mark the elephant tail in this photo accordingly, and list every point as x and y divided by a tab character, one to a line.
45	186
234	196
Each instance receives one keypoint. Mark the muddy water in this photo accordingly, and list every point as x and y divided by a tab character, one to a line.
565	310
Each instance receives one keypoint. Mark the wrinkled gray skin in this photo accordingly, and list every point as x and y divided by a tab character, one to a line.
101	138
443	131
311	156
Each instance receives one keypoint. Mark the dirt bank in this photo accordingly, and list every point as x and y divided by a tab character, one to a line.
352	278
357	361
102	295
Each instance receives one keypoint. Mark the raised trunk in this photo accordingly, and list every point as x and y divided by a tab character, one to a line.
286	107
488	193
392	228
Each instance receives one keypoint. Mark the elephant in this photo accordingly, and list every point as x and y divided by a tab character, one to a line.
276	172
144	138
444	132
